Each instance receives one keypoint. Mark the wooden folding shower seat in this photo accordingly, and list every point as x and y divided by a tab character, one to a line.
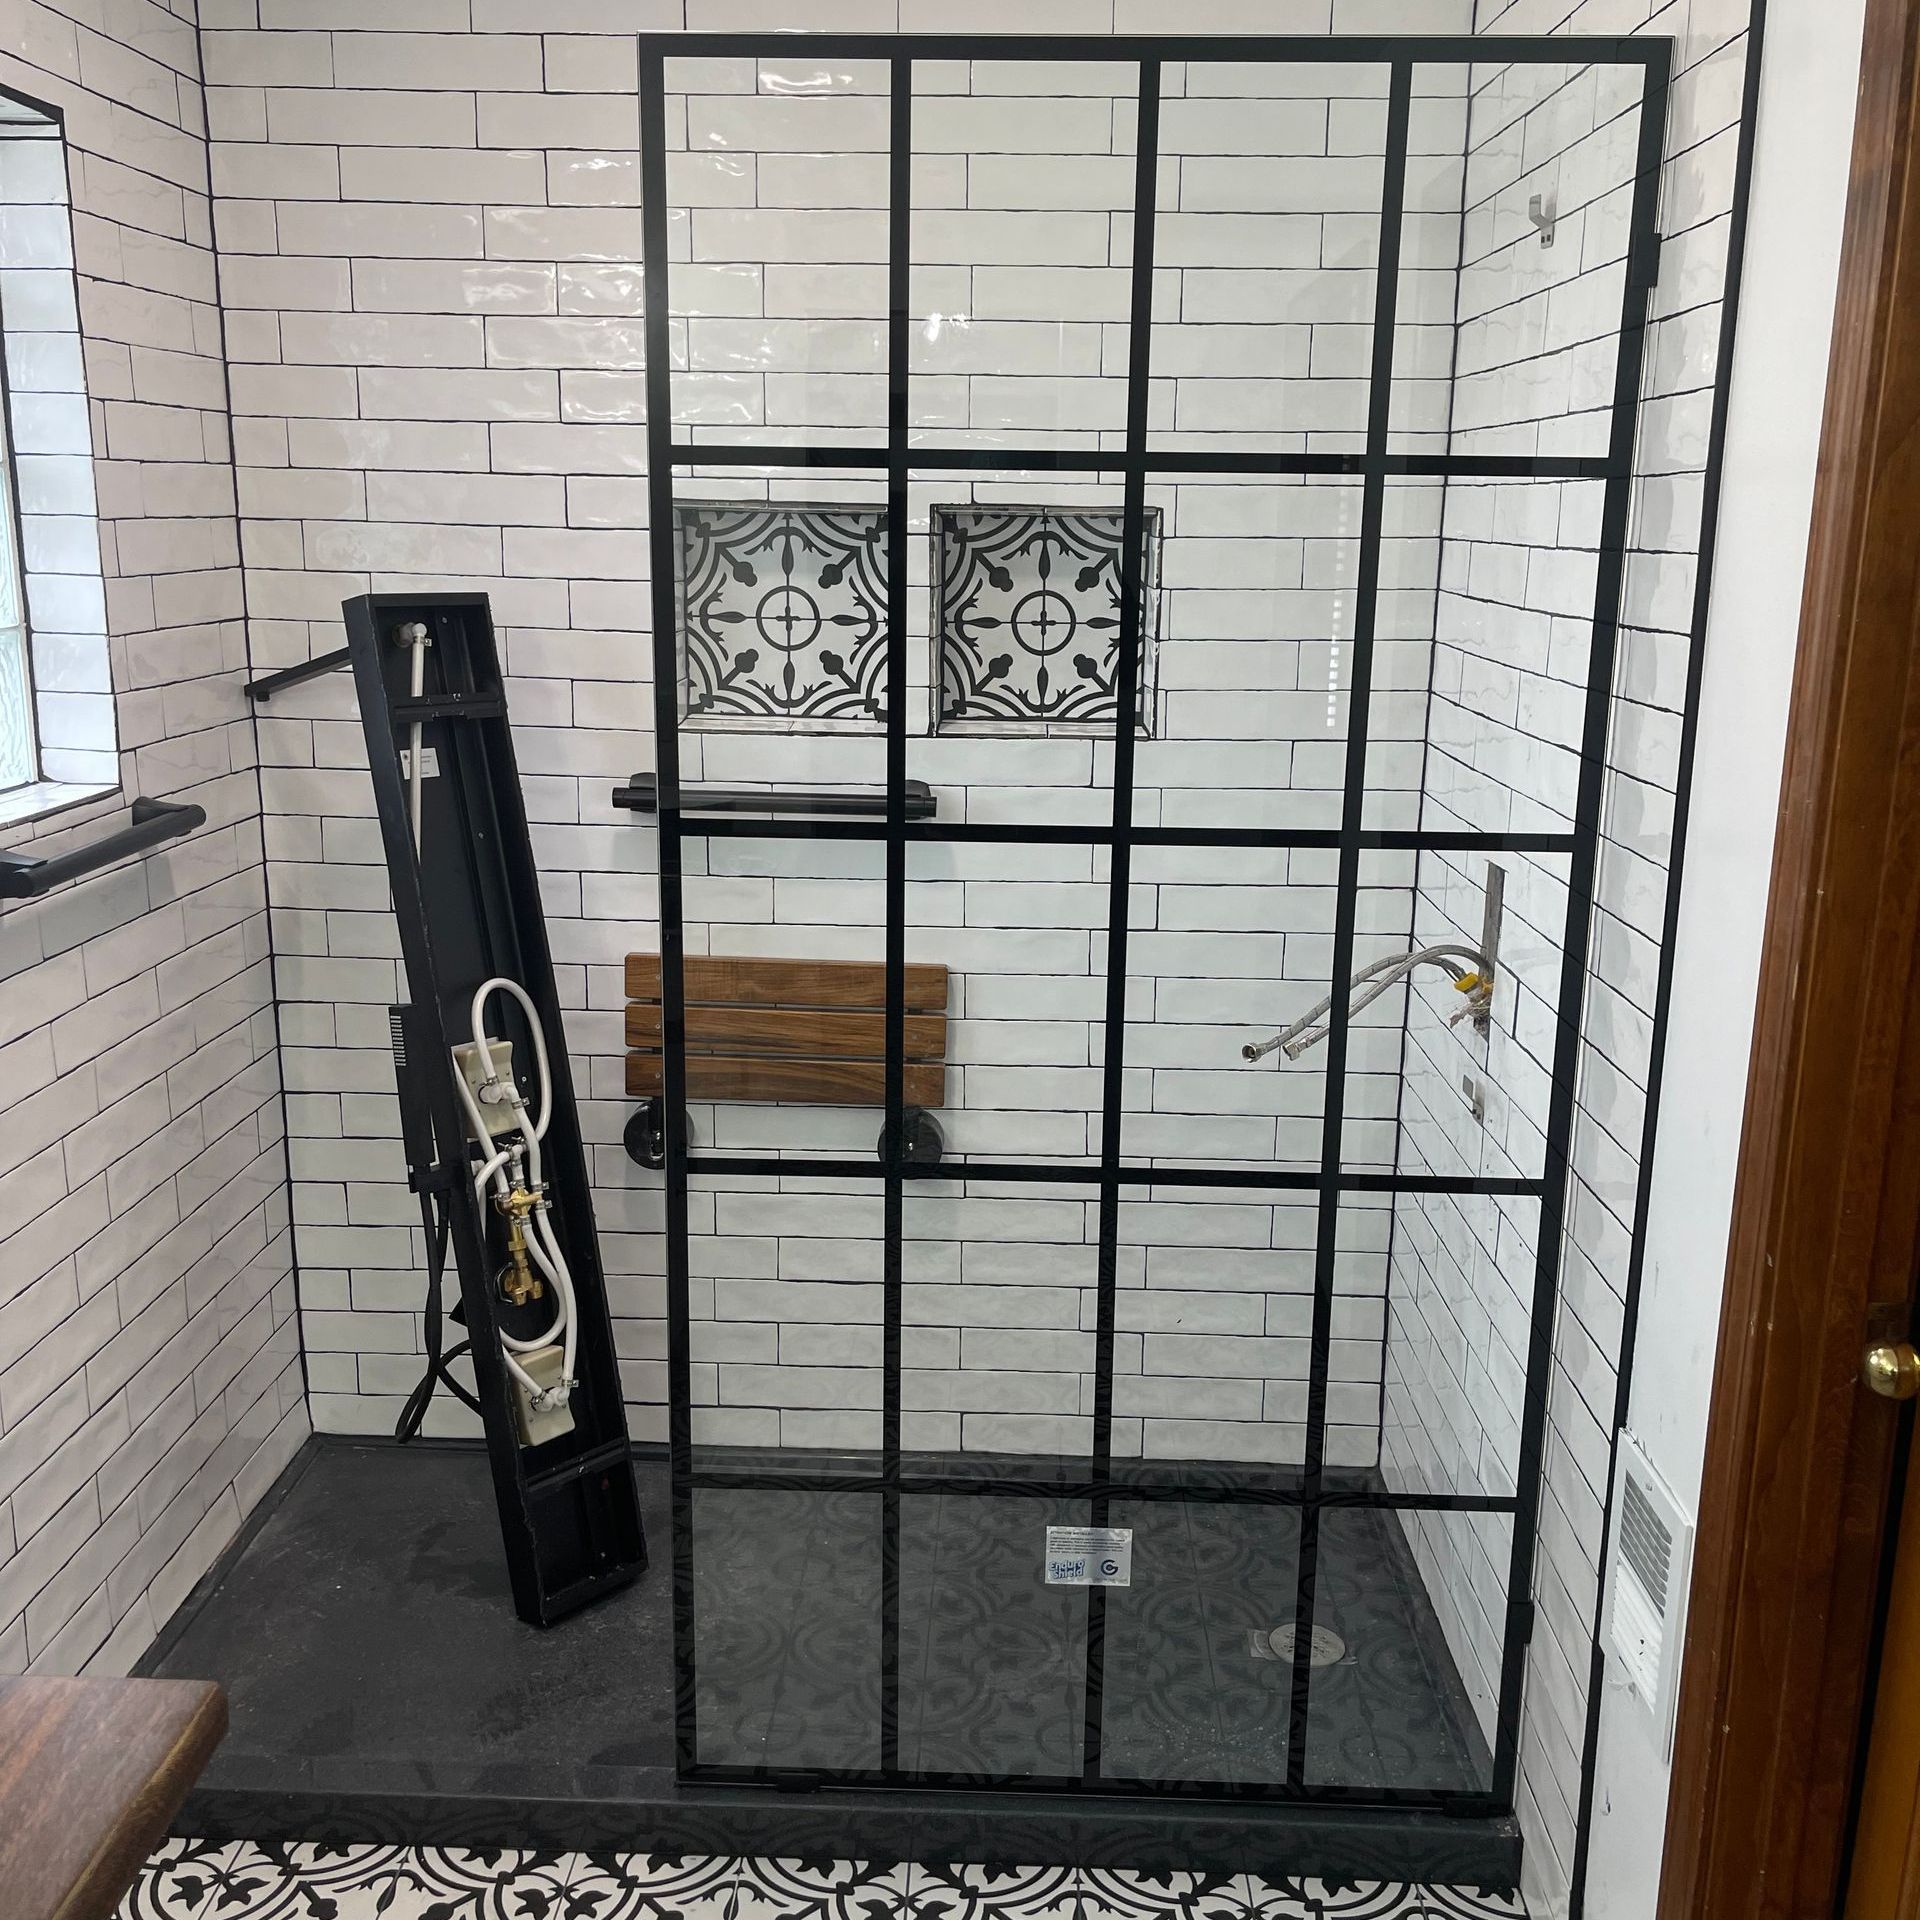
810	1031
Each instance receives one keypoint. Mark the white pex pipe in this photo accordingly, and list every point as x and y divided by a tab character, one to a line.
541	1241
416	642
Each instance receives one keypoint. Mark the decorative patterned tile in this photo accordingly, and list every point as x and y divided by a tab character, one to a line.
275	1881
177	1881
197	1880
1375	1900
1026	618
1072	1893
782	614
641	1886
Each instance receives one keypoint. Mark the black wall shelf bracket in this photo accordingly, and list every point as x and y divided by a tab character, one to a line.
641	794
25	876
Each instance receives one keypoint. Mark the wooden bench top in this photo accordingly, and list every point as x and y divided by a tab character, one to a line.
91	1773
777	1029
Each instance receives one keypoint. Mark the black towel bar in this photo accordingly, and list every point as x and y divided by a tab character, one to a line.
641	794
24	876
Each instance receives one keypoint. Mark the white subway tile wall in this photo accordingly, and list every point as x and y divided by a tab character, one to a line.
149	1371
1021	236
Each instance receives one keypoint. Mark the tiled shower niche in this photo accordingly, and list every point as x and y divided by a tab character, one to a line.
782	610
782	614
1026	618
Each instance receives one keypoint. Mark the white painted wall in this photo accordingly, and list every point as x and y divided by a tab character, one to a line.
1809	67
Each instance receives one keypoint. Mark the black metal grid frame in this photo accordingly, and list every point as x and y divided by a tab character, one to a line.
1099	1484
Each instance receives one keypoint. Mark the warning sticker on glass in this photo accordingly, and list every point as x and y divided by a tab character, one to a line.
1089	1556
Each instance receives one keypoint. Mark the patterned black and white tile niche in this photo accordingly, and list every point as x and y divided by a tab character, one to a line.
782	614
1026	618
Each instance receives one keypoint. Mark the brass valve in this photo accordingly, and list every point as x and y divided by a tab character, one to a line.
517	1280
1477	985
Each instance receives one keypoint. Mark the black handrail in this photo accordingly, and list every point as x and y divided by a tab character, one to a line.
270	683
155	822
641	794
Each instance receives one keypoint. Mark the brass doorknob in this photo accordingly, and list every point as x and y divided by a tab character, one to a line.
1892	1370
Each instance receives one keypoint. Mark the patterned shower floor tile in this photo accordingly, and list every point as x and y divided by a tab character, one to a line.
245	1880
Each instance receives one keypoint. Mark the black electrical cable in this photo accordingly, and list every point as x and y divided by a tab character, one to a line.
438	1224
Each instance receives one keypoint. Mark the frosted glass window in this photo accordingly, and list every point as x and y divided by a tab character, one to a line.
17	766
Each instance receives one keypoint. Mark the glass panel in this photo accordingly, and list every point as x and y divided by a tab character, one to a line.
1194	1690
784	1310
1021	595
781	586
1234	947
1226	946
787	1627
785	1045
1022	932
1513	627
1420	407
1476	1098
992	1659
777	182
1269	217
1402	667
1549	149
998	1317
1022	228
1255	658
1409	1618
13	611
1459	1317
1213	1311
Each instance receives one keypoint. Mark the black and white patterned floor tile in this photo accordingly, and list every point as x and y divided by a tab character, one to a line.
245	1880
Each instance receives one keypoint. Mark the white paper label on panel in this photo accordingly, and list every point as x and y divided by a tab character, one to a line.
1089	1556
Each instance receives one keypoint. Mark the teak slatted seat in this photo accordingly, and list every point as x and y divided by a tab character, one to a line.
801	1030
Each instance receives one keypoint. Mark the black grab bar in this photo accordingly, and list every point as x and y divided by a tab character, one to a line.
155	822
641	794
270	683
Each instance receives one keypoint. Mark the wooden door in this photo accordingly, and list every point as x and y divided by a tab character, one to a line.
1801	1456
1885	1880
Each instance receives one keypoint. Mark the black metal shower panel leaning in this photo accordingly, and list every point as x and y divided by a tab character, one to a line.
467	900
1097	1484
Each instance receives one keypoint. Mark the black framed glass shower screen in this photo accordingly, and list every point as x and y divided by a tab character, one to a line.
880	1505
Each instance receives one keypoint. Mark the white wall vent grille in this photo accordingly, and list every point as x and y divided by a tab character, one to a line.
1646	1586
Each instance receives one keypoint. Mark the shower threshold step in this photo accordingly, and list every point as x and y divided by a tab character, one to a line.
380	1688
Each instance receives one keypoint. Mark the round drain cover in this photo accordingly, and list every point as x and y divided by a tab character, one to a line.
1327	1646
